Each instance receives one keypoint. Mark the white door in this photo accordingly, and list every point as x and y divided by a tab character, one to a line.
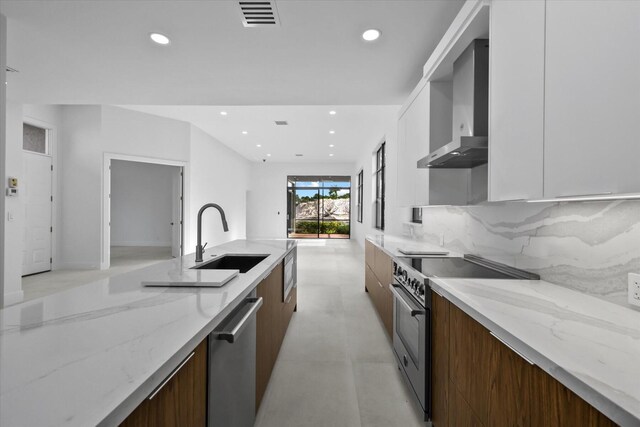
36	193
176	215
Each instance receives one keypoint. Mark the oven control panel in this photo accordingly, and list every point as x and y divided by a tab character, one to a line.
413	283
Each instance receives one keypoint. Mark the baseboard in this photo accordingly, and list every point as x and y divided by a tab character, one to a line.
13	298
145	244
78	266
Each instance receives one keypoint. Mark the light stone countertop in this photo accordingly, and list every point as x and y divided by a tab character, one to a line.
90	355
590	345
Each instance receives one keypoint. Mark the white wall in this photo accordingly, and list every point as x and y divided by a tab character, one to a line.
88	133
267	199
84	134
3	144
141	203
80	177
394	215
13	236
218	175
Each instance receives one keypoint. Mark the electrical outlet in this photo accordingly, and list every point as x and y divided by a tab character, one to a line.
634	289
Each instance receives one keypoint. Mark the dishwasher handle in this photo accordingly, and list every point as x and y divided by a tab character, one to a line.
235	331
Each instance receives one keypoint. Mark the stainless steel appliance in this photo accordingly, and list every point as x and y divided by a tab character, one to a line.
290	273
232	367
470	144
411	290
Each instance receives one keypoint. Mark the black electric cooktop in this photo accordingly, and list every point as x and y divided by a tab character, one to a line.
453	267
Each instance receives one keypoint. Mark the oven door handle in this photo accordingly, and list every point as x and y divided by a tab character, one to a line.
400	298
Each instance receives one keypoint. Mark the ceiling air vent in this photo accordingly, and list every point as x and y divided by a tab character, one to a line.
298	155
281	123
259	13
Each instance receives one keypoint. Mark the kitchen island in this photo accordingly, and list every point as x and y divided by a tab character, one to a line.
90	355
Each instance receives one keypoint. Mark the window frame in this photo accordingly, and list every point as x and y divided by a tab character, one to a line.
359	195
379	176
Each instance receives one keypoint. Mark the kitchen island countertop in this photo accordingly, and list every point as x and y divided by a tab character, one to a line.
91	354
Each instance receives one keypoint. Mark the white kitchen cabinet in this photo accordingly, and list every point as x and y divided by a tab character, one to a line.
413	143
424	126
592	98
516	100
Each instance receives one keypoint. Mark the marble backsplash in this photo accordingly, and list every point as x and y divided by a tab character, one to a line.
587	246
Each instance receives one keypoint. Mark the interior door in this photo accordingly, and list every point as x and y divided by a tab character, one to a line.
36	193
176	215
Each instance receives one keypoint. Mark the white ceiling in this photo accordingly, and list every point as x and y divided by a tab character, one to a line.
307	132
99	52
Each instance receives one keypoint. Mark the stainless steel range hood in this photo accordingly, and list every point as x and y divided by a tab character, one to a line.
470	145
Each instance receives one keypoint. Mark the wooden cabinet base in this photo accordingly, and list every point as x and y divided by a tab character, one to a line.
272	322
378	276
491	385
182	401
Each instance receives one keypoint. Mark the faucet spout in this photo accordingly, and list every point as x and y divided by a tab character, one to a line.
225	227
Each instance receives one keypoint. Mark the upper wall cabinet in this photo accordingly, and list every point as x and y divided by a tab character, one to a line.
592	98
516	100
413	138
425	121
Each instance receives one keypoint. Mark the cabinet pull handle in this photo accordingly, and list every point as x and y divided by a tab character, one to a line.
512	349
175	371
400	298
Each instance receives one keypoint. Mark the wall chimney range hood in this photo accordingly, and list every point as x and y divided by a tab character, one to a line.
470	145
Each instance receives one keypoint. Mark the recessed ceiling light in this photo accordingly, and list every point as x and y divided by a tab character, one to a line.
332	132
330	155
160	38
371	35
258	145
268	155
331	145
223	113
244	132
332	112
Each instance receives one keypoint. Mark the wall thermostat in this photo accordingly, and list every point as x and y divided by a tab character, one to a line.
12	191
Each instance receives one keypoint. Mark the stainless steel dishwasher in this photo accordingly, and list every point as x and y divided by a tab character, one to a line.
232	367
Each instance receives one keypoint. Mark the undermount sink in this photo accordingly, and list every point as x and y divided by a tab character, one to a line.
243	263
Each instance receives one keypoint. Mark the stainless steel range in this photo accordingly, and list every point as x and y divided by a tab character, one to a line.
412	311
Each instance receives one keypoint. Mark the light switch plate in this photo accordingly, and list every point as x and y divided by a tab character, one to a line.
634	289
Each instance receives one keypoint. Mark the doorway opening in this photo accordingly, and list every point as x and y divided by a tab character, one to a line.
319	207
145	215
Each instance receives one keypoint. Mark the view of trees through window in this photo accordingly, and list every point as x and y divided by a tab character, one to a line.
318	207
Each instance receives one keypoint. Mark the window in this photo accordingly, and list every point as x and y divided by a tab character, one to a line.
318	207
35	139
379	176
359	196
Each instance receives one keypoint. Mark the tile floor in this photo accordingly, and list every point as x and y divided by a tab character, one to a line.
123	259
336	366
